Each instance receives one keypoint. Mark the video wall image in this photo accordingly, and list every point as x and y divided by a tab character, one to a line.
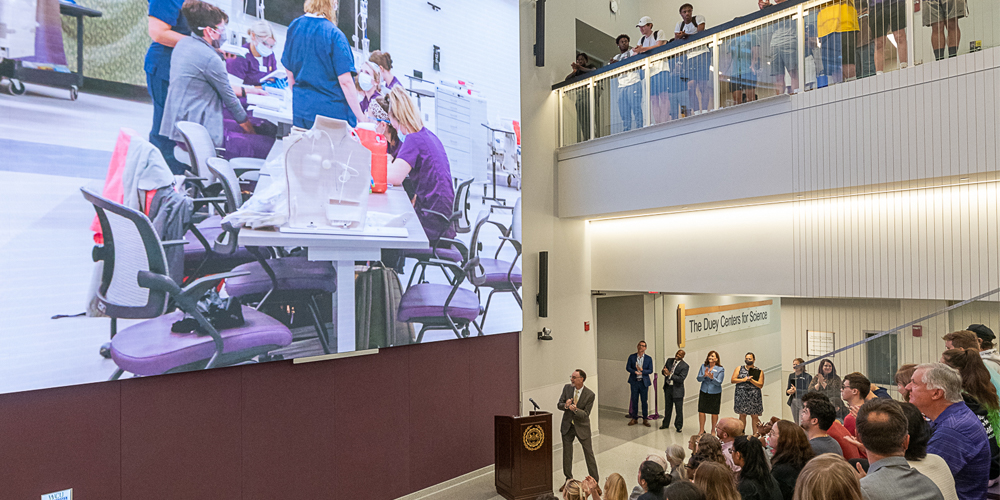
295	180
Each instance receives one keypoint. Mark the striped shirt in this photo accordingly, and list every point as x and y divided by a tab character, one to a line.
959	438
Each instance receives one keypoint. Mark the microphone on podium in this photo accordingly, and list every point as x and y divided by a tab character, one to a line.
534	404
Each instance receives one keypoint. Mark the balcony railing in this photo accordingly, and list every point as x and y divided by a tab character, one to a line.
792	47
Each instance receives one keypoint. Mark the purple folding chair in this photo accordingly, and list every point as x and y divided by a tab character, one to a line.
285	280
135	284
445	248
497	275
442	307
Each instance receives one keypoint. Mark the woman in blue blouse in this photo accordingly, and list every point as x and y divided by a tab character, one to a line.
710	375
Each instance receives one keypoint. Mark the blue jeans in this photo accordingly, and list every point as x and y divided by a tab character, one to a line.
157	88
639	392
630	105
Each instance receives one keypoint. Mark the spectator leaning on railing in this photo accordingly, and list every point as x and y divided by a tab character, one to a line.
659	101
629	87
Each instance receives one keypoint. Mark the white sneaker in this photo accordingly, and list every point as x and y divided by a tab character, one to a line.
878	72
902	65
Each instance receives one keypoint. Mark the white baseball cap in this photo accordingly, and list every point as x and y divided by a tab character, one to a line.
644	21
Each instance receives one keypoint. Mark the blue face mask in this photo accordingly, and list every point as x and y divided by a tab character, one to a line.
402	136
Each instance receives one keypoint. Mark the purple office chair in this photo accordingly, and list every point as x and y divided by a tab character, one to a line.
497	275
442	307
445	248
136	285
286	280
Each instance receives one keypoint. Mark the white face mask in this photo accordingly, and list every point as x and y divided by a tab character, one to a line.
264	50
365	81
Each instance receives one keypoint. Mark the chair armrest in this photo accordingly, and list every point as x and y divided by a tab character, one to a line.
198	287
209	199
242	170
517	244
172	243
504	207
462	249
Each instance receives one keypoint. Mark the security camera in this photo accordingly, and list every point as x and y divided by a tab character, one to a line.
545	334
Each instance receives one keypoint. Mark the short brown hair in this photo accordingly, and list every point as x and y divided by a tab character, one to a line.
202	15
860	382
882	426
962	339
905	373
383	59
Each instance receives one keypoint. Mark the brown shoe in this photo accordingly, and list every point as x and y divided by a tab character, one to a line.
633	422
645	422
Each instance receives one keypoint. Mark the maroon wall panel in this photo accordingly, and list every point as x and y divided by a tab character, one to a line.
499	376
371	438
440	411
181	436
288	421
61	438
410	417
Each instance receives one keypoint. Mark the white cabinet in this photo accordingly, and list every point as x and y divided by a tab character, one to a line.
458	120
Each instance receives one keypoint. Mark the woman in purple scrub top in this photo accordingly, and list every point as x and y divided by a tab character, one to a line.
384	61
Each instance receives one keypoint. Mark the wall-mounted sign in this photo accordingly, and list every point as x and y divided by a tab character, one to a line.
819	343
706	321
59	495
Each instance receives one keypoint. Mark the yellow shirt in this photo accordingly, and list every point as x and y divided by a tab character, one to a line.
837	18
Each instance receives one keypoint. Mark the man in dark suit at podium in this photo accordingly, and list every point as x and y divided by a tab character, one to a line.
674	372
576	402
639	366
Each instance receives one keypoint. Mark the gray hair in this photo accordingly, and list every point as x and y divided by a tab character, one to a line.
943	377
675	453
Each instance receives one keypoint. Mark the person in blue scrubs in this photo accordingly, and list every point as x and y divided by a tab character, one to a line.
320	67
166	27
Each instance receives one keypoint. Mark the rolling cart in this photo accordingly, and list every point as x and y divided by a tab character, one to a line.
51	75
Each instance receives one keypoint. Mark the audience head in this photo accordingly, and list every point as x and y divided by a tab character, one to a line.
710	448
623	42
826	369
975	375
817	413
855	385
645	25
403	113
325	8
687	11
656	457
546	496
961	339
652	477
903	376
573	490
882	427
713	357
790	444
919	431
934	387
985	335
748	454
693	442
683	490
614	487
827	477
582	59
814	395
201	15
798	365
675	455
728	428
717	481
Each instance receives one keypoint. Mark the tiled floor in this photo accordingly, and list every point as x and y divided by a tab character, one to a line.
619	448
51	149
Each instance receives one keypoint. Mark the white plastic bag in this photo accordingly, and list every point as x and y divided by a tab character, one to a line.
268	207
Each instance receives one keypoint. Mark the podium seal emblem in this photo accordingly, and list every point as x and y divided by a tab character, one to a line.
534	437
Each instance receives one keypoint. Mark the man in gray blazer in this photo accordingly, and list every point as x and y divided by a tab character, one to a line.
576	402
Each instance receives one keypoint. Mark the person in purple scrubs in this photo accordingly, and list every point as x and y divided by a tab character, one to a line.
384	61
369	85
422	157
258	63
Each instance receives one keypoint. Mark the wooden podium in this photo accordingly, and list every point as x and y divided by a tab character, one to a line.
523	447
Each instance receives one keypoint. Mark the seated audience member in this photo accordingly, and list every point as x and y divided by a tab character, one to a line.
827	477
716	481
675	457
573	490
854	391
727	430
883	429
756	482
199	87
987	350
708	449
817	417
652	479
979	395
902	378
683	490
957	434
930	465
961	339
837	430
637	491
614	488
791	452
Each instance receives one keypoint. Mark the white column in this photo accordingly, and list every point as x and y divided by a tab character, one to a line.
716	90
590	95
801	32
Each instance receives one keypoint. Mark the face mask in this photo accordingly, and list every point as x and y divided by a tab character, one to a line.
264	50
402	136
217	43
748	362
365	81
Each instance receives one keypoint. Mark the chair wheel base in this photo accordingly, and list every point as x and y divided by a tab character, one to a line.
106	350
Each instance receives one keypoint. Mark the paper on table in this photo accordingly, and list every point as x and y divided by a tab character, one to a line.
234	49
265	101
235	80
278	73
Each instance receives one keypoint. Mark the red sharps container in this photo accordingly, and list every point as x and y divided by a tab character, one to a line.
377	145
